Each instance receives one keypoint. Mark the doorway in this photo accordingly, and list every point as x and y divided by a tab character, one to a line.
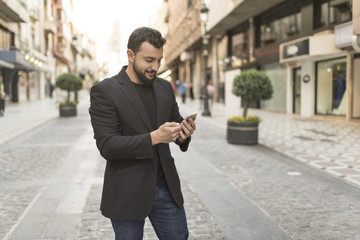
297	90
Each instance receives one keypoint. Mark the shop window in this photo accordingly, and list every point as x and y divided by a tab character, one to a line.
331	87
240	47
47	46
330	12
268	33
6	38
58	15
189	3
237	46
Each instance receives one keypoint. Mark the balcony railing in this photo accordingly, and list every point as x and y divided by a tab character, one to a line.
186	33
34	14
23	3
49	27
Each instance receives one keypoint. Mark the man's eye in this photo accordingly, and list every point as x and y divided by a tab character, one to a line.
148	60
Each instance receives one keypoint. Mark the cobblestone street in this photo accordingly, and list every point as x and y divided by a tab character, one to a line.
272	85
51	182
256	193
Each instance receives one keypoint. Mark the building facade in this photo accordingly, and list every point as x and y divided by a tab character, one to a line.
26	66
37	44
182	60
309	49
322	66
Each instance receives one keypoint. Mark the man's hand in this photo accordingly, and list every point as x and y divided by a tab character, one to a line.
166	133
187	129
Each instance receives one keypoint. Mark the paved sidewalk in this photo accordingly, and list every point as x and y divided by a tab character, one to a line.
329	146
21	117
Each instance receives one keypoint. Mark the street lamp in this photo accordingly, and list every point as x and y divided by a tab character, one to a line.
204	11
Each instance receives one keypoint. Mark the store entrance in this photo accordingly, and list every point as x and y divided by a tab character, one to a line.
297	90
331	87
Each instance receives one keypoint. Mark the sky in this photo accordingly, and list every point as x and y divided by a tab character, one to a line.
97	17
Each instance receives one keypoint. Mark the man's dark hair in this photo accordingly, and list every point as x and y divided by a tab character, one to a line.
145	34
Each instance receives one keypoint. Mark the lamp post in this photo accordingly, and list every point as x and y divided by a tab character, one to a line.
204	11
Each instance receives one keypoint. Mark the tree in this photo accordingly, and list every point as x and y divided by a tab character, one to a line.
69	82
252	85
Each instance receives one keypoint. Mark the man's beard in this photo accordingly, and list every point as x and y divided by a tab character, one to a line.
142	77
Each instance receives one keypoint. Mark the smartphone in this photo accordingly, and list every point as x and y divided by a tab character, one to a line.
192	116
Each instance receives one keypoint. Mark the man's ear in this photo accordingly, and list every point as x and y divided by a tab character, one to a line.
130	55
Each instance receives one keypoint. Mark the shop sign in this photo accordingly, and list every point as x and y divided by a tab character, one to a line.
266	55
292	50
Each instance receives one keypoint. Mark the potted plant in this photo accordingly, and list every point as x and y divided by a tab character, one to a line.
68	82
250	85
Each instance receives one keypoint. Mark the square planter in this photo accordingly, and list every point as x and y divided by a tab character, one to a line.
67	110
242	133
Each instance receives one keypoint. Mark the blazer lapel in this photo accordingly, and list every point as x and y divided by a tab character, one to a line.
160	103
128	88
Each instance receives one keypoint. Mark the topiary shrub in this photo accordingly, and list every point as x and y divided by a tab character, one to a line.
69	82
252	85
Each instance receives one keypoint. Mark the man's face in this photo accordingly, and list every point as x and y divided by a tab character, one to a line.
146	62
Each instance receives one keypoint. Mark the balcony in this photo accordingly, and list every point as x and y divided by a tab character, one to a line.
8	14
60	30
58	4
49	27
60	47
24	45
184	37
34	14
23	3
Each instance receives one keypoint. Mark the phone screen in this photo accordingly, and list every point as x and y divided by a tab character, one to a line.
192	116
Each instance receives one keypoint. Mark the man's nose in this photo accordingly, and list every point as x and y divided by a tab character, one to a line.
155	67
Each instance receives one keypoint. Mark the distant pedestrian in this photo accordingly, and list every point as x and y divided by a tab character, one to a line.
2	103
51	89
211	91
191	91
182	91
135	116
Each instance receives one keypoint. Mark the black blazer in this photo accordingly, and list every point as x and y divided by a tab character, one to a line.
122	132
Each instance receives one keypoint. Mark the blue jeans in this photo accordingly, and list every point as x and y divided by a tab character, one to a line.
167	219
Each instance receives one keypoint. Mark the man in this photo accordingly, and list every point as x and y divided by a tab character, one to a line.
2	103
135	116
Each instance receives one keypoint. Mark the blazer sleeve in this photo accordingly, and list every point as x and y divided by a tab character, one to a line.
185	145
107	130
176	117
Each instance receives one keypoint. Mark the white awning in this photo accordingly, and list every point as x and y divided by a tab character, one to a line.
6	64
